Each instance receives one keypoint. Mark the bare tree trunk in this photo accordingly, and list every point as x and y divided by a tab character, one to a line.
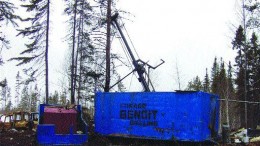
81	29
79	48
80	72
178	76
46	54
72	54
108	45
245	81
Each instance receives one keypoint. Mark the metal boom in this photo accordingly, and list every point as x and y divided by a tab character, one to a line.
139	68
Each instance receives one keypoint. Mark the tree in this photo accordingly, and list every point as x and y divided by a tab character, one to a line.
178	79
63	100
29	98
195	85
120	85
34	97
17	87
253	8
8	107
253	80
222	80
246	62
223	92
72	54
206	82
5	93
80	21
221	83
8	98
107	8
108	45
89	54
233	113
239	44
25	99
230	78
215	77
36	51
7	15
54	99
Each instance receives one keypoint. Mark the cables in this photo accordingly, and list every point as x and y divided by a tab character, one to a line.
124	49
128	59
130	40
240	101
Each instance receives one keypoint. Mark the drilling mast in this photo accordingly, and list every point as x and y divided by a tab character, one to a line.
138	64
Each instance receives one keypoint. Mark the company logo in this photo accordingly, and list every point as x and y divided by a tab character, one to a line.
138	114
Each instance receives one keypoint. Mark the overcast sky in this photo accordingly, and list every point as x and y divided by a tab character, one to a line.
189	33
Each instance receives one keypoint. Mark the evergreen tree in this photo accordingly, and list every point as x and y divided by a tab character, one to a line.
107	58
17	87
221	83
221	86
72	77
230	78
215	77
246	62
195	85
36	51
234	114
253	8
206	82
54	99
7	15
25	99
80	21
6	97
222	80
8	107
253	80
223	92
63	100
34	96
239	44
5	93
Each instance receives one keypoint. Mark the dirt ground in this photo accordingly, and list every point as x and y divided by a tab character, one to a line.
28	138
17	138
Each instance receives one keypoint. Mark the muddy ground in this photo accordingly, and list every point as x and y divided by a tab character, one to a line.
17	138
28	138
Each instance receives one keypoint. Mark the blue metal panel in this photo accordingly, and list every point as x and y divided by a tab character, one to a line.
185	116
46	132
46	135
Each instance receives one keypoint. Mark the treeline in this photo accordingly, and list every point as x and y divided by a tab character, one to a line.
239	84
27	96
86	69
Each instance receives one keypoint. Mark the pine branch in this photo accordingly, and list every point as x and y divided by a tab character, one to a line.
24	60
7	12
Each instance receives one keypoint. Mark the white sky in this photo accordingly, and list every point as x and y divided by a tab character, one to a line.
189	33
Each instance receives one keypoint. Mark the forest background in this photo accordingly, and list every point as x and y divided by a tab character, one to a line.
60	49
